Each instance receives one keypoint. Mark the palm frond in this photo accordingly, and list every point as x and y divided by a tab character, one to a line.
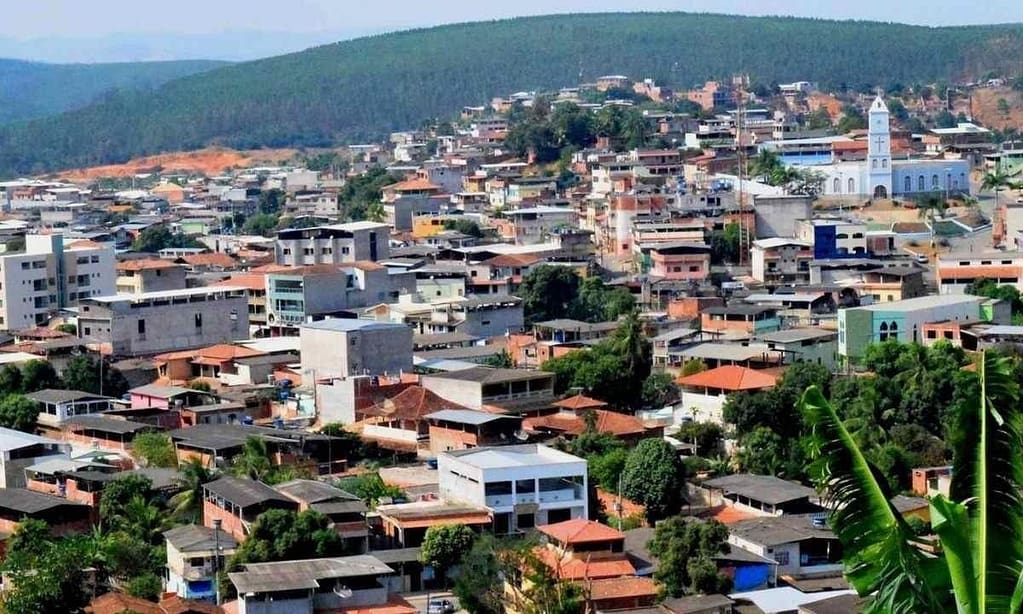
877	543
998	478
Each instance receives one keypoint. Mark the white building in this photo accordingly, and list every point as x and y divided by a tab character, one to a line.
522	485
335	244
879	176
49	276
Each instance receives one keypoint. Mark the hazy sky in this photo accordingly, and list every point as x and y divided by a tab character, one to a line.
58	27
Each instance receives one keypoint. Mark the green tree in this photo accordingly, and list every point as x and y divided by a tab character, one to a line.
118	495
361	191
54	583
480	585
659	389
154	450
605	469
187	504
997	181
464	226
18	413
818	120
548	292
684	549
282	535
271	201
693	366
725	244
445	545
155	238
11	380
707	436
980	527
29	542
38	375
147	586
87	374
852	119
503	360
596	302
254	460
369	487
655	478
263	224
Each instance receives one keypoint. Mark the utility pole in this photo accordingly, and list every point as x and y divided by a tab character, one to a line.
216	559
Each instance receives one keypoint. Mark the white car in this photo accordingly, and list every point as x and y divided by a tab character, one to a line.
440	606
922	258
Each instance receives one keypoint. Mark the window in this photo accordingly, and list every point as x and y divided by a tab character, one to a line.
782	558
934	182
287	251
94	259
142	327
907	185
198	320
884	163
837	186
884	331
932	334
873	163
695	268
852	185
87	330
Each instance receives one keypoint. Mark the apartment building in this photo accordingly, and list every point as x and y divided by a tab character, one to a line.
522	485
339	348
530	225
335	244
479	386
155	322
781	260
49	276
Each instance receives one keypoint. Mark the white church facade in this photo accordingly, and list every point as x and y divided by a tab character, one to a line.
879	176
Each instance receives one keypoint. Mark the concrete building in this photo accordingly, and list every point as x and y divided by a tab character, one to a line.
305	293
704	394
801	545
49	276
479	386
781	260
334	244
522	485
340	348
56	406
814	345
155	322
903	321
149	275
834	239
957	271
237	502
778	216
479	316
680	261
20	450
531	225
191	566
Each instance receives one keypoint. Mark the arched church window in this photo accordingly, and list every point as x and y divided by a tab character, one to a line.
873	163
884	163
893	330
907	184
884	331
837	189
934	182
852	186
920	184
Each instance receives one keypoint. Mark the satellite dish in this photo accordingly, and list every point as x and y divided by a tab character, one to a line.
522	435
342	591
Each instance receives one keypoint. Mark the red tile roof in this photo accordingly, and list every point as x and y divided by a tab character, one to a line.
512	260
219	353
250	281
607	422
213	259
571	568
580	531
412	403
41	332
731	378
621	588
580	401
412	185
145	264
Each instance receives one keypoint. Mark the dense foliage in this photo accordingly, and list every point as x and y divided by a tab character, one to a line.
360	89
685	550
444	546
655	478
33	89
551	292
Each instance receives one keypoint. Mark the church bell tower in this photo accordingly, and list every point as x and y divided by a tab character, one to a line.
879	150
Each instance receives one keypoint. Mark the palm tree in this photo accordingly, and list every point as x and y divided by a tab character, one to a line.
981	526
997	180
143	520
254	460
187	504
927	206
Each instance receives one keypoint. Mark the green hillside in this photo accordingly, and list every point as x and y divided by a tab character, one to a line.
361	89
30	90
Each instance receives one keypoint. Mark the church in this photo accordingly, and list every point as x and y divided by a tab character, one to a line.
879	176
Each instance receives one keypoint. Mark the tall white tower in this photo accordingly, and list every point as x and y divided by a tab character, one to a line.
879	151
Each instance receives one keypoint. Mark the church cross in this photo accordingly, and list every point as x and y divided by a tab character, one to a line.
879	141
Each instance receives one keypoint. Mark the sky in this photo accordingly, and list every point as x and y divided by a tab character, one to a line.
123	30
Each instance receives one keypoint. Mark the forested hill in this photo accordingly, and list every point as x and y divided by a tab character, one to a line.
361	89
29	90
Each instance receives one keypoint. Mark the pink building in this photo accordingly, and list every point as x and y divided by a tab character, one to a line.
680	261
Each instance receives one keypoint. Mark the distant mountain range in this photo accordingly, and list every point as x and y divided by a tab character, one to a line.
363	88
29	90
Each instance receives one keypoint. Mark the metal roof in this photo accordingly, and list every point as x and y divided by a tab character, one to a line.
489	375
31	502
312	491
466	416
304	574
341	325
793	335
195	538
107	424
766	488
777	530
55	396
243	492
11	439
526	455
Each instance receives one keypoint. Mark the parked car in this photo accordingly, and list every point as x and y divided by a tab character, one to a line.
440	606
